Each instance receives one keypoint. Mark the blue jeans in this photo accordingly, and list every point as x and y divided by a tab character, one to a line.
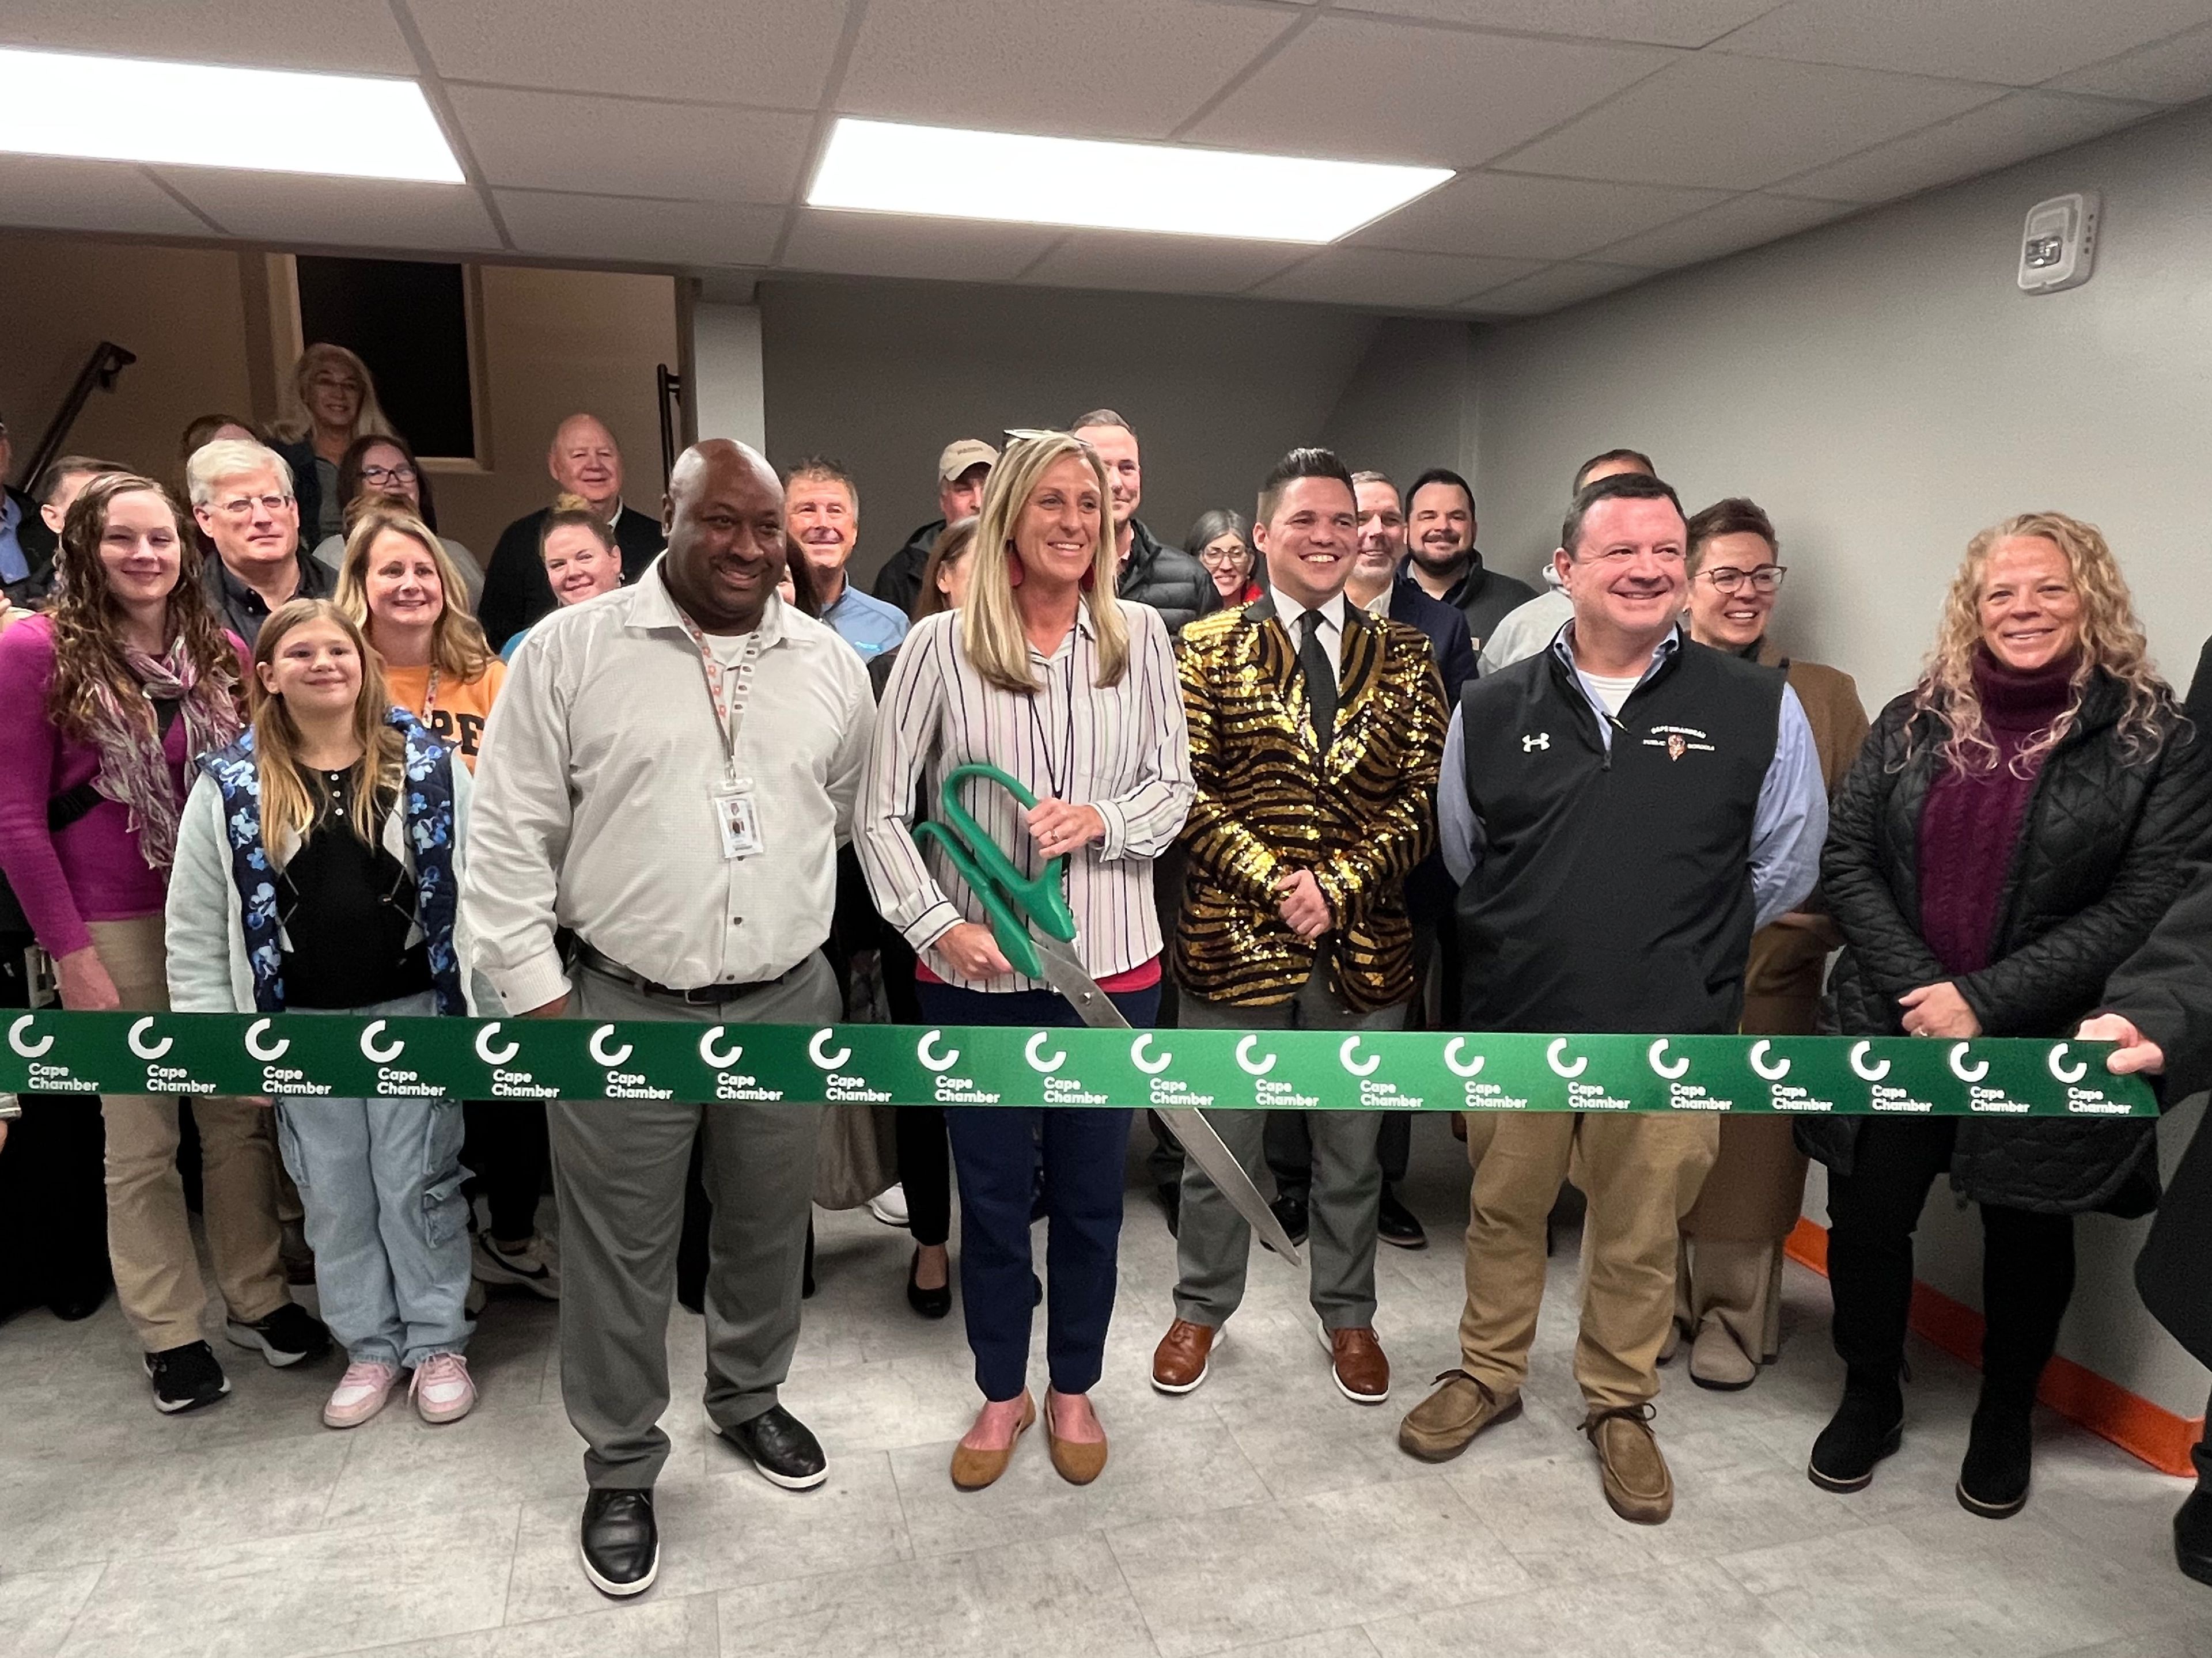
381	1183
994	1152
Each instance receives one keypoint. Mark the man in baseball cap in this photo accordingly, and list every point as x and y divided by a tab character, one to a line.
961	471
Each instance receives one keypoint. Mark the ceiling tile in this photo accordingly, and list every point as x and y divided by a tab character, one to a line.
365	213
2176	71
638	232
357	35
1558	286
1740	222
739	51
629	147
1506	214
1051	66
1982	140
1739	123
889	245
1374	276
1661	22
2016	42
1367	89
70	195
1178	265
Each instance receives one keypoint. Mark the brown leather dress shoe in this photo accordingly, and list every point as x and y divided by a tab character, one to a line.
1361	1372
1184	1355
1637	1482
1078	1463
972	1469
1439	1427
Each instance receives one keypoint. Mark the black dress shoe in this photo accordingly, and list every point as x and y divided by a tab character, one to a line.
2192	1522
780	1447
1869	1426
620	1544
930	1303
1291	1214
2000	1457
1395	1224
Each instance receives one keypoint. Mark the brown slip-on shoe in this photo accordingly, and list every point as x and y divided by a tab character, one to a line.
1357	1364
972	1469
1637	1482
1078	1464
1439	1427
1184	1355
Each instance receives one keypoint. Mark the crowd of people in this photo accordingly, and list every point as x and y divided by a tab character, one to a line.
273	744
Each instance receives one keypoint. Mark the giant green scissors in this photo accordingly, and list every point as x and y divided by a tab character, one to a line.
1036	931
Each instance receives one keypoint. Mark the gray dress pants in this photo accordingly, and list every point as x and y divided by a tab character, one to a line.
1214	1244
618	1174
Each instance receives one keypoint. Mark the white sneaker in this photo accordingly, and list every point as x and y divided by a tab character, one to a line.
527	1268
442	1390
359	1394
889	1206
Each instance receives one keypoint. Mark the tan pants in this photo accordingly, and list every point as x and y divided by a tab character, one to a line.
157	1274
1641	1172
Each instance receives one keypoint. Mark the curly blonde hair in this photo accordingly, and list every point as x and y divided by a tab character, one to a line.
2112	639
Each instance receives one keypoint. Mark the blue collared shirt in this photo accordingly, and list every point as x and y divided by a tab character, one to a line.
865	623
1788	826
15	563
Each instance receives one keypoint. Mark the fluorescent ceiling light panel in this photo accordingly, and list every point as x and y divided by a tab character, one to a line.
265	120
883	167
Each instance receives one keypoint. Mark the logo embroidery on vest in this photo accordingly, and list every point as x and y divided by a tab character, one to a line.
1677	746
1540	740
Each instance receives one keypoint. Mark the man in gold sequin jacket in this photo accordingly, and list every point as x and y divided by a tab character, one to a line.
1317	729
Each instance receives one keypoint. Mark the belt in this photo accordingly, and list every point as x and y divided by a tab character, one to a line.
704	996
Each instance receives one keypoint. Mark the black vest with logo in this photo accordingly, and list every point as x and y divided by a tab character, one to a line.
1613	892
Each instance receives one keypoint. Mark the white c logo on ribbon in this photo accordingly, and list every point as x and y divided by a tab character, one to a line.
1038	1061
1680	1067
1873	1073
1552	1058
369	1050
144	1049
1453	1062
1366	1067
598	1047
2065	1073
711	1055
1150	1068
259	1029
491	1054
1964	1072
1774	1073
926	1051
822	1056
1244	1046
28	1050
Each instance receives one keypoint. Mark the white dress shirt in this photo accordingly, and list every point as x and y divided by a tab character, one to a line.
1290	617
594	799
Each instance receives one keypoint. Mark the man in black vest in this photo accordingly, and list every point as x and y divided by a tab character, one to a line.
583	461
1622	810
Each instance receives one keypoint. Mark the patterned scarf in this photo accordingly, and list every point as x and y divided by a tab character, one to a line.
134	767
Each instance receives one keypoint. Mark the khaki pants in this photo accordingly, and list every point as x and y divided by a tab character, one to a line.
1641	1171
150	1237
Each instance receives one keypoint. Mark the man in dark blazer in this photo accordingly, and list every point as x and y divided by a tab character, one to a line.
585	460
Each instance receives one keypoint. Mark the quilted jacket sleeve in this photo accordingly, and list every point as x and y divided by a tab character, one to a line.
1885	942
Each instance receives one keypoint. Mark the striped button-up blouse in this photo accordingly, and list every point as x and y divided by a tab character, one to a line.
1122	749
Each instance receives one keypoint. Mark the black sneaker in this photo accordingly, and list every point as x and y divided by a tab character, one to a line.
1395	1224
290	1335
620	1542
1291	1213
779	1445
186	1378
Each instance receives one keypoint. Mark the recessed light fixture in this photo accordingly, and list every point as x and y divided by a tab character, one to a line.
267	120
883	167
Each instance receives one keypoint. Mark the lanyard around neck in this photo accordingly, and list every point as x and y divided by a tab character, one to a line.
728	689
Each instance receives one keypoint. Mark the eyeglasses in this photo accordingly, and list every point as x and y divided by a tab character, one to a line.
243	505
402	473
1766	578
1216	558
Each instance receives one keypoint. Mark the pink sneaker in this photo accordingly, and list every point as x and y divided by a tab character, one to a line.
442	1390
359	1394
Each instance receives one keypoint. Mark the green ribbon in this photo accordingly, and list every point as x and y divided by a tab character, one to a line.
310	1053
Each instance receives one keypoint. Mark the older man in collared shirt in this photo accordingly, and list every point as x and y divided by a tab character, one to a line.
668	774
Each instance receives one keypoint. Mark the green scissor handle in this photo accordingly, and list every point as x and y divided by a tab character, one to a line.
1013	901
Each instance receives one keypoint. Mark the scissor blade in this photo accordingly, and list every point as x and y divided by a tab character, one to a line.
1199	1143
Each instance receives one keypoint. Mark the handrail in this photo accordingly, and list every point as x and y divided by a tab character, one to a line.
107	360
669	386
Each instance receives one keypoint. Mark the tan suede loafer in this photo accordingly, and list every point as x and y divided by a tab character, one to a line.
972	1469
1078	1463
1439	1427
1637	1482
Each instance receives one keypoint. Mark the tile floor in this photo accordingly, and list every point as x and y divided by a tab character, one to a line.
1263	1516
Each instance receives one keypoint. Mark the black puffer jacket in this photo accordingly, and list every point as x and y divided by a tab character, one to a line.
2102	854
1167	578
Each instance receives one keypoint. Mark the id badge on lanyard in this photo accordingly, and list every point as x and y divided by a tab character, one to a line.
736	808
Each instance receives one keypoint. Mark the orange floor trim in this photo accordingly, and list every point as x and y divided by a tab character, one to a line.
2143	1430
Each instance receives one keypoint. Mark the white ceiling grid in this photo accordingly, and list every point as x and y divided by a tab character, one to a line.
1598	141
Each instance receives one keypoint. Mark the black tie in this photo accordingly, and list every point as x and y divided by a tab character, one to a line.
1321	678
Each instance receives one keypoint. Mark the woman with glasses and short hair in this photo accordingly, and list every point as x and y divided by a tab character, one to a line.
380	471
1221	540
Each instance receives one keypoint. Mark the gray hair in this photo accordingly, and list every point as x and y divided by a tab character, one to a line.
230	458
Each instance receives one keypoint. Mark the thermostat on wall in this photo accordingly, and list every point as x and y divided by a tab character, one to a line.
2059	246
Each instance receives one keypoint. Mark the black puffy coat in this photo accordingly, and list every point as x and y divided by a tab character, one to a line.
1167	578
2101	855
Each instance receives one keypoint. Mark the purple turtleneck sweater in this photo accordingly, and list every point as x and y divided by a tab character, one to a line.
1972	820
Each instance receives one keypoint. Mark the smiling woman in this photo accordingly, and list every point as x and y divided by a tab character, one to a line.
437	664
